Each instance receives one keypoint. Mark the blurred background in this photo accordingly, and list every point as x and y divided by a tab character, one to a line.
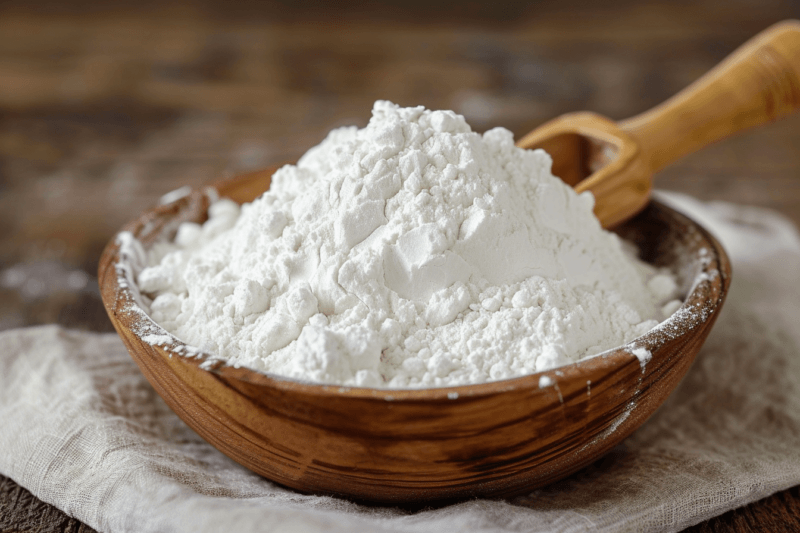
104	107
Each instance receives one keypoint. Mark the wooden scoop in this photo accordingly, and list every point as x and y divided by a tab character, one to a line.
757	83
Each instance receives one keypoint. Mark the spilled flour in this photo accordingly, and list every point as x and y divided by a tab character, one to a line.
411	253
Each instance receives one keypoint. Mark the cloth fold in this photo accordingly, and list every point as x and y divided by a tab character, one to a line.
83	430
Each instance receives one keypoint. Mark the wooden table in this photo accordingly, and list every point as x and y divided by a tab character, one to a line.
102	110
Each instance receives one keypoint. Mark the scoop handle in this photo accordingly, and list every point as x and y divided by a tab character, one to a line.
759	82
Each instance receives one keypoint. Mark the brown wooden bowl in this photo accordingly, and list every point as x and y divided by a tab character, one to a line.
494	439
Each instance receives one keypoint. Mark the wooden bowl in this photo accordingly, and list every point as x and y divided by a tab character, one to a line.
494	439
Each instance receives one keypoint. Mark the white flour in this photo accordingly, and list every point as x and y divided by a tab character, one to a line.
411	253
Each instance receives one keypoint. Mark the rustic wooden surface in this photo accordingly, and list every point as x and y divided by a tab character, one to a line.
105	108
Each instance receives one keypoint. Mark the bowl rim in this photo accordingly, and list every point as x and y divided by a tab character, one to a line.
700	305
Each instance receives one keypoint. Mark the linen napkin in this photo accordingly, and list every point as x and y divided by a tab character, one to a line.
83	430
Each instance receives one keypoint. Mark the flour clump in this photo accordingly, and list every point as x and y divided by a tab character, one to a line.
410	253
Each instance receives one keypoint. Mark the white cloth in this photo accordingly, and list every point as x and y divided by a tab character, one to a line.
82	429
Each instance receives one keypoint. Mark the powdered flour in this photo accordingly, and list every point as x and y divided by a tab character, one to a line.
411	253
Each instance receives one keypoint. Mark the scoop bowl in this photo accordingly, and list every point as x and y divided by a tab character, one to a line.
397	446
758	83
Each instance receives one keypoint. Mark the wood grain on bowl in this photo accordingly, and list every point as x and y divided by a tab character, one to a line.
492	439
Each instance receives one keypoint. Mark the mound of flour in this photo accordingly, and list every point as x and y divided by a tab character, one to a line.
411	253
